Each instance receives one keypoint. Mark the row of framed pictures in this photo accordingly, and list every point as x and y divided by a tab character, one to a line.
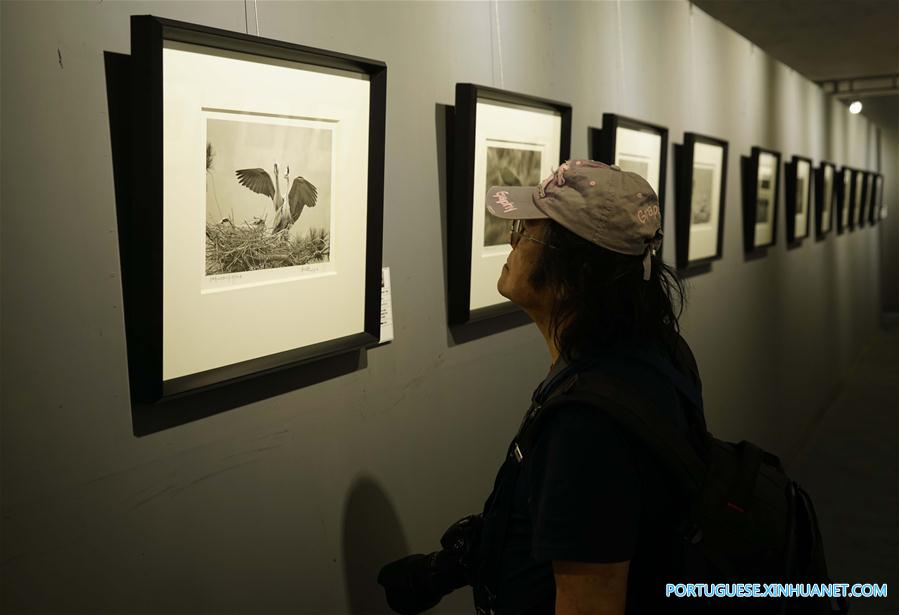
508	139
844	199
228	274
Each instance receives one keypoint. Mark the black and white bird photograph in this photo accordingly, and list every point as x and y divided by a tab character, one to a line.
507	166
268	195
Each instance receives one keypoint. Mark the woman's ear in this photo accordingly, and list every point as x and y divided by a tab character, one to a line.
544	226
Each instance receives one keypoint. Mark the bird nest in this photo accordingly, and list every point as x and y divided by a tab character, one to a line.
235	249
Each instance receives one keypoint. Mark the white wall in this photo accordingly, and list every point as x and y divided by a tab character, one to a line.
292	503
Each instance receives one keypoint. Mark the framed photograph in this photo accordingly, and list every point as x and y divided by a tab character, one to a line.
825	198
257	205
635	146
844	199
761	192
861	204
856	202
699	204
798	182
501	139
868	199
877	206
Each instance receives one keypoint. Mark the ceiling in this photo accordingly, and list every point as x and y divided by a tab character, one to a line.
824	40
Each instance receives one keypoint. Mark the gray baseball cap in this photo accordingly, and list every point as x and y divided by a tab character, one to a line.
617	210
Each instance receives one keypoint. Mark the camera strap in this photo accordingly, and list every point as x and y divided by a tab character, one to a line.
560	383
498	511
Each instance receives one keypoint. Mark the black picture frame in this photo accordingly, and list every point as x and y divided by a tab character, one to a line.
603	145
862	208
877	200
459	212
870	189
821	231
684	185
844	199
750	199
142	266
791	176
855	197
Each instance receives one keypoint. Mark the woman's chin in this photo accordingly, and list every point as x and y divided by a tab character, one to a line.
500	284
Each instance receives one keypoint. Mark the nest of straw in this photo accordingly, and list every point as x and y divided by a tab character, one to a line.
235	249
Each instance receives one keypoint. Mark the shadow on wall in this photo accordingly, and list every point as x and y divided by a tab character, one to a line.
372	537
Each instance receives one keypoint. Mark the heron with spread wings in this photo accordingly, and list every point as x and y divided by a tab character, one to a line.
302	194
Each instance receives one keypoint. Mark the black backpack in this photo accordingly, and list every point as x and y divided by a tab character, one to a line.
746	520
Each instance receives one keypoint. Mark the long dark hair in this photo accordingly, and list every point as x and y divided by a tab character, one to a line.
601	298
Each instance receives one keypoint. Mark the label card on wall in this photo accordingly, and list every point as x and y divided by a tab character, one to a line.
386	308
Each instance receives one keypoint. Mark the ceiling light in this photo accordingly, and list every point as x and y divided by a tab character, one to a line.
855	107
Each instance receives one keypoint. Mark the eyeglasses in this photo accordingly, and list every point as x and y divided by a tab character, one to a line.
516	232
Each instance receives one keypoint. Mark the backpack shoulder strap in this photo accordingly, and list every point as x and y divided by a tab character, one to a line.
633	413
689	388
561	383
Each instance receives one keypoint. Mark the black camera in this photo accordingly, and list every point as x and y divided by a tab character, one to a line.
461	541
418	582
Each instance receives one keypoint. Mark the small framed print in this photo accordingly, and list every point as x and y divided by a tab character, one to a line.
254	232
635	146
701	176
501	139
761	191
798	182
861	205
865	214
825	198
877	205
844	199
856	202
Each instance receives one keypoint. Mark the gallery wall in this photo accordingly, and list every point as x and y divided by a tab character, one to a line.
292	502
